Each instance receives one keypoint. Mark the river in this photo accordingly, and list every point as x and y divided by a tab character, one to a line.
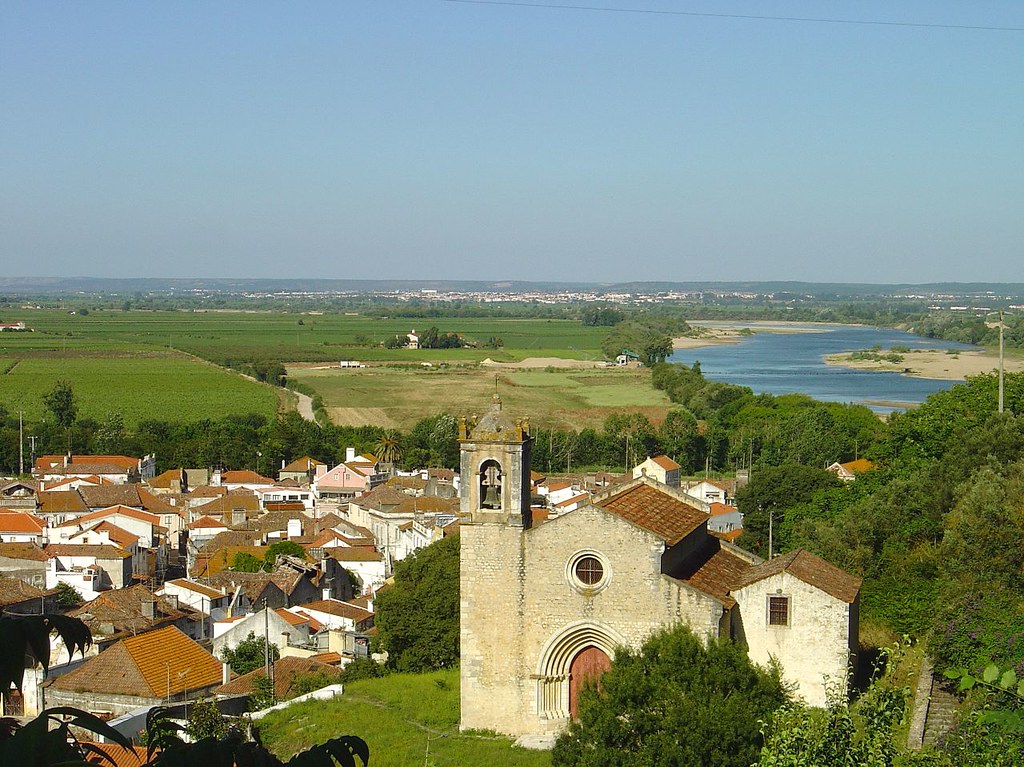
794	362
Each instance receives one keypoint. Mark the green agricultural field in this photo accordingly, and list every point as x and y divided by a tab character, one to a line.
162	385
407	720
229	336
397	397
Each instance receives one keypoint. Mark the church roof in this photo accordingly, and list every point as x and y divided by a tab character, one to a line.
653	507
714	570
810	569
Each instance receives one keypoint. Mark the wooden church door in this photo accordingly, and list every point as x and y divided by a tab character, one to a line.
589	663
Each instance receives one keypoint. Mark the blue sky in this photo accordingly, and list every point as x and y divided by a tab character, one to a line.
427	139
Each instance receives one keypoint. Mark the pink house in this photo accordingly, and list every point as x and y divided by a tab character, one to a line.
356	476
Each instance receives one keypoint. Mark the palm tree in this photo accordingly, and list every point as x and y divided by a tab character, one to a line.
389	450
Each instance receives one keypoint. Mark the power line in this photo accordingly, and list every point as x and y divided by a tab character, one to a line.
743	16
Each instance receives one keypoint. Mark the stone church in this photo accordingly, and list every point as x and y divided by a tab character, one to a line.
543	606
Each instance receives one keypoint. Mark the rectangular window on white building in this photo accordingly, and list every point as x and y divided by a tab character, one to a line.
778	611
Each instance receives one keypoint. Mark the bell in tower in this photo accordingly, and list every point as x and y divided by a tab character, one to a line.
490	479
495	467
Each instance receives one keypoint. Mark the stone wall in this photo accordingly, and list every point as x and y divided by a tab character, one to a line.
524	614
492	624
814	648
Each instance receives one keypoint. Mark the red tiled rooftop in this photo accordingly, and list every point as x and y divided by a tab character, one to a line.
654	509
809	568
666	463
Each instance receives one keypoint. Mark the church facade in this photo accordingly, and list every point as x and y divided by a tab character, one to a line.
543	606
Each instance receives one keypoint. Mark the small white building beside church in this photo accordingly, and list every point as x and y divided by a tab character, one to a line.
543	606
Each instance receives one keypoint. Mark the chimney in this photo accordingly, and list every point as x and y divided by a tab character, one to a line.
148	608
294	528
172	599
282	464
350	454
225	673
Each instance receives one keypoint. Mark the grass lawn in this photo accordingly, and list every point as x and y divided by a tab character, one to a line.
162	385
400	717
397	397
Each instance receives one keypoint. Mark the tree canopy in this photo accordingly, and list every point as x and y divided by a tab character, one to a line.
249	654
417	619
676	701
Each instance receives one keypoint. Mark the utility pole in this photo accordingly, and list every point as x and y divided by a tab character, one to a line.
32	441
21	442
771	524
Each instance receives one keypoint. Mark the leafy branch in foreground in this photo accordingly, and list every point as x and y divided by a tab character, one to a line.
1006	687
49	741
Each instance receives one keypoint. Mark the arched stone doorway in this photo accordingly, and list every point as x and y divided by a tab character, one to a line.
566	659
587	665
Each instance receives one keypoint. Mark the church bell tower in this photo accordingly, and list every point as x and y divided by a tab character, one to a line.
495	467
495	502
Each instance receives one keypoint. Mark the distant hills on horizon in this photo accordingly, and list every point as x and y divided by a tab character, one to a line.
131	285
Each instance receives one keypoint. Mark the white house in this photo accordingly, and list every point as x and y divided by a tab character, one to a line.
660	467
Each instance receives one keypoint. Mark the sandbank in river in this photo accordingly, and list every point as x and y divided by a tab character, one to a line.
934	363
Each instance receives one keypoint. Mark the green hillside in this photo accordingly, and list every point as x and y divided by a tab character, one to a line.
408	720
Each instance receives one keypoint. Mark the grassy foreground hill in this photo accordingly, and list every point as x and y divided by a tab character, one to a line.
408	720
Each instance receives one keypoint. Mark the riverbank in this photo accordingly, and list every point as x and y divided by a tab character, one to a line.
931	363
719	334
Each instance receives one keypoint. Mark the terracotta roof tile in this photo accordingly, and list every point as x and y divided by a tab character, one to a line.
205	522
14	590
115	755
810	569
666	463
97	551
166	480
27	551
127	511
122	609
118	535
244	477
714	570
150	665
20	522
44	462
198	588
61	501
425	504
353	554
381	496
245	501
215	560
339	608
654	509
290	617
235	539
285	672
303	464
858	466
105	496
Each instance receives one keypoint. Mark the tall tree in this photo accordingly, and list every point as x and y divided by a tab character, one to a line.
60	401
417	618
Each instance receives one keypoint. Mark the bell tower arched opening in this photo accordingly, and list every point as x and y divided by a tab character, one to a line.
490	485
